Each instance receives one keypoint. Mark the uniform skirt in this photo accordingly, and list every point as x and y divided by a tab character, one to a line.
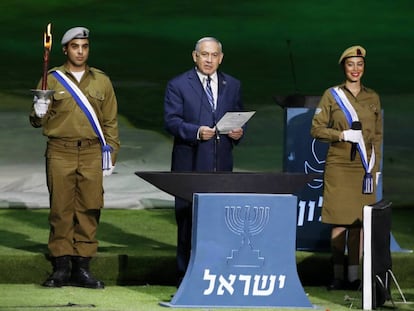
343	200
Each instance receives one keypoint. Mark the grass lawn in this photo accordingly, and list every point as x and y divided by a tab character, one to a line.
136	261
147	298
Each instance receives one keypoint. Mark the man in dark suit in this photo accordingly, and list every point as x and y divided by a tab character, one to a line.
194	102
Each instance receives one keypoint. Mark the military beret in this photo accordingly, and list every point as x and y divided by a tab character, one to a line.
353	51
75	33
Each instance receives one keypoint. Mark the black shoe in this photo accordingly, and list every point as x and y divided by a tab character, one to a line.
61	272
57	279
83	278
336	284
354	285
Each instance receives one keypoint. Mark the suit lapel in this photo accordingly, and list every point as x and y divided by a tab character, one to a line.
222	84
195	83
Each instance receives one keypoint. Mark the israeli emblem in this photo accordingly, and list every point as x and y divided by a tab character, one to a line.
246	222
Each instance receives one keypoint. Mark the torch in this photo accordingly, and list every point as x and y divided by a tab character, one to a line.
44	93
47	43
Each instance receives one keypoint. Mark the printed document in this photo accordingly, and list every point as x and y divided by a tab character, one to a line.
233	120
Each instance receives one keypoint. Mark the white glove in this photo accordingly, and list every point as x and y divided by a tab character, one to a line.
353	136
108	172
40	106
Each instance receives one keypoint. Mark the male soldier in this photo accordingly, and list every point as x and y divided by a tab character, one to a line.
80	121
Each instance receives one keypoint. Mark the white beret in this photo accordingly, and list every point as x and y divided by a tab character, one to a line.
75	33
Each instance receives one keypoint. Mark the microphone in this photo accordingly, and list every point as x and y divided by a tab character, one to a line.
217	131
356	125
215	126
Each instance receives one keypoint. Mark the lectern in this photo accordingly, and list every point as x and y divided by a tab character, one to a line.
243	238
243	253
185	184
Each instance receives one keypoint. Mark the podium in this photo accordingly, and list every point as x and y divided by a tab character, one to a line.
243	253
185	184
243	239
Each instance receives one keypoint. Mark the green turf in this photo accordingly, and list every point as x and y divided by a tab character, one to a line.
138	247
147	298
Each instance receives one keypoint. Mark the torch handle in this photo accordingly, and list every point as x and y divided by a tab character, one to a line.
45	69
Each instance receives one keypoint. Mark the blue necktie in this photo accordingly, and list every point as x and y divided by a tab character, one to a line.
209	93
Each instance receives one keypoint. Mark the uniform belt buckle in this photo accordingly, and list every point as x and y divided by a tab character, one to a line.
79	143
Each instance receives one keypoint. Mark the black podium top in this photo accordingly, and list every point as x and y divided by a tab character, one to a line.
185	184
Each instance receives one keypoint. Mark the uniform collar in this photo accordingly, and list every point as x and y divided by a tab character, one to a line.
66	69
343	87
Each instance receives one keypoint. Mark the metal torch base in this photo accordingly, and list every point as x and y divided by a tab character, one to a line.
44	94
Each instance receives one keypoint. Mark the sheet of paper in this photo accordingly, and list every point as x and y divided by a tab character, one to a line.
233	120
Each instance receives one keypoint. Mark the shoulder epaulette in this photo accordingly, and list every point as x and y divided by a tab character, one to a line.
96	70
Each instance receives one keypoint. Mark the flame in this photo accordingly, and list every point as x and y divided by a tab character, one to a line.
48	37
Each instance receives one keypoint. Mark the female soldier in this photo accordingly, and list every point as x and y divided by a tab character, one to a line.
349	118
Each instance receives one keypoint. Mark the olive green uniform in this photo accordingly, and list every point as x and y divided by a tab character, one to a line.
74	161
343	199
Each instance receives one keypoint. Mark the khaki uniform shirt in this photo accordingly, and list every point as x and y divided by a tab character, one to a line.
65	119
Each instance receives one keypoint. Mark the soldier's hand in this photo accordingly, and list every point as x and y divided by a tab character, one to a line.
40	106
109	171
353	136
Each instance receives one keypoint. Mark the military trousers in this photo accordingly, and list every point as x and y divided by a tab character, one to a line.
75	184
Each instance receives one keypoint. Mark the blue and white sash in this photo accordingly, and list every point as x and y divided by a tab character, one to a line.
86	107
351	116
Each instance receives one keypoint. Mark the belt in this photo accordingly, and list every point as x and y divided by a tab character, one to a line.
75	143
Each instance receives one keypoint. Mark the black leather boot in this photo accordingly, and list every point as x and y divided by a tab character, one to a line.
61	272
81	275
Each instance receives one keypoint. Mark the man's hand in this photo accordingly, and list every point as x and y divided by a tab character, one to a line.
206	133
236	134
40	106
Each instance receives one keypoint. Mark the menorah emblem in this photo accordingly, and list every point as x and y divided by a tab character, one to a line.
246	221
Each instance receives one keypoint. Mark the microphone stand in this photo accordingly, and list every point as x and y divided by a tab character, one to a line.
356	125
216	142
